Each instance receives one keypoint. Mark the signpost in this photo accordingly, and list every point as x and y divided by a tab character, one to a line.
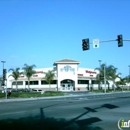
95	43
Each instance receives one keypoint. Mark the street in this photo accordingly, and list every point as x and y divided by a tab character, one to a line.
97	113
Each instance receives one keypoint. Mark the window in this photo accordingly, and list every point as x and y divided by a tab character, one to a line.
18	83
43	82
83	81
95	82
53	82
32	82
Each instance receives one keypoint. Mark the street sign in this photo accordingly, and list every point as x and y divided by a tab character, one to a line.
95	43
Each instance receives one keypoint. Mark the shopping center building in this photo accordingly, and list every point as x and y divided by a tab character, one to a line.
68	77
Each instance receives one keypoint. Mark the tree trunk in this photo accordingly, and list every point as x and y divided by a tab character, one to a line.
16	86
108	86
29	84
49	87
114	86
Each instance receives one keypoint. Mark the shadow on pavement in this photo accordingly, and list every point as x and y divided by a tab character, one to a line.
40	122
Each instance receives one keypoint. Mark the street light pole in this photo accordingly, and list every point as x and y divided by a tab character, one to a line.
4	79
105	76
3	68
99	74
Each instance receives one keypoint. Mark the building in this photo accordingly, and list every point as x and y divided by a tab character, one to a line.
68	77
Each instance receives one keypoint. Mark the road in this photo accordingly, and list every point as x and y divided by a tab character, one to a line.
79	114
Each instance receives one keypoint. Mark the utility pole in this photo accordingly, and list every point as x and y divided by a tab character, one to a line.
4	71
105	76
100	74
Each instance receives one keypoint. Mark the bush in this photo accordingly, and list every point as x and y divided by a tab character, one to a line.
20	94
2	95
53	93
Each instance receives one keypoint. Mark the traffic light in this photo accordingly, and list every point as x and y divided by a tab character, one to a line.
120	40
85	44
4	74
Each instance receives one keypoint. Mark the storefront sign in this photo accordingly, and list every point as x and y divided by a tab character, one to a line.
91	72
67	68
39	71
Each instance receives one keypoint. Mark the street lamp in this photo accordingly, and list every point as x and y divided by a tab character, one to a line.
105	76
3	63
99	73
4	79
3	69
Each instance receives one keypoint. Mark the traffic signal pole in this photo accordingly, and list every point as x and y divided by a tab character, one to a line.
86	43
108	41
6	92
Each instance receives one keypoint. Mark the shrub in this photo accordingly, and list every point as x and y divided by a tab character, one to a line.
2	95
53	93
35	94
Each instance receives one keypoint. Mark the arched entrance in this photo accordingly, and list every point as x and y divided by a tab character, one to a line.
67	85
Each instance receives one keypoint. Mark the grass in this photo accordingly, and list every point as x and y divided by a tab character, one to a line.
33	94
108	91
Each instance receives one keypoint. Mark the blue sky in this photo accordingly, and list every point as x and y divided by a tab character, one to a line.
43	31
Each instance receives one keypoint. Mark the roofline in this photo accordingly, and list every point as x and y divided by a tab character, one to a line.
77	62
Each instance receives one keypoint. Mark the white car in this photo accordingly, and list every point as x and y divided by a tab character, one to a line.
38	90
6	89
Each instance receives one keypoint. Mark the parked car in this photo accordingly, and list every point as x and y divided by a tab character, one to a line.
6	89
38	90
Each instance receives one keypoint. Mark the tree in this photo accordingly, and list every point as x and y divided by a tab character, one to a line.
127	79
49	77
110	73
100	75
15	74
113	75
122	82
28	72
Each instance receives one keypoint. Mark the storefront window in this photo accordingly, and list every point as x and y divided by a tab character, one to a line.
32	82
83	81
53	82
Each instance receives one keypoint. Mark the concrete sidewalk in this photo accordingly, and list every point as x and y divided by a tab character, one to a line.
38	98
87	95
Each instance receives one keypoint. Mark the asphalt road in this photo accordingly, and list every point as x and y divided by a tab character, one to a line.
79	114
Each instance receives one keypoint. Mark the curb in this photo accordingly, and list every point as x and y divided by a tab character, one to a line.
89	95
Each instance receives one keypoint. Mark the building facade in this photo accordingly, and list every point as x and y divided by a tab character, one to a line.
68	77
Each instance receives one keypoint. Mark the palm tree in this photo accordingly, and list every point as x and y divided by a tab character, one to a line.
15	74
100	75
113	75
110	73
28	72
122	82
127	79
49	76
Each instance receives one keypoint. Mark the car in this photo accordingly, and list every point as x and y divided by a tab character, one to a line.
6	90
38	90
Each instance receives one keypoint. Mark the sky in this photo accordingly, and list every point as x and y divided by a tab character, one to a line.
41	32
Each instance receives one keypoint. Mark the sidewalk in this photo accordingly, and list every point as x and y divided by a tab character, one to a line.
37	98
90	94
